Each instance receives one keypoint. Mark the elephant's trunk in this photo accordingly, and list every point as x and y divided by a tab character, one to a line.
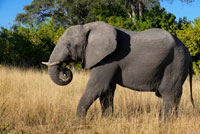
58	75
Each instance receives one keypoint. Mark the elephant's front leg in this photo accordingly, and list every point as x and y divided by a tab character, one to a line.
106	101
101	84
89	96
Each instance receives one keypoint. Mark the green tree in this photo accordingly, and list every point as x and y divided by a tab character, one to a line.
72	12
65	12
152	18
157	18
14	48
113	14
137	7
190	35
29	45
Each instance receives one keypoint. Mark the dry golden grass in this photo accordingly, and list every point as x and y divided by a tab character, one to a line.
30	103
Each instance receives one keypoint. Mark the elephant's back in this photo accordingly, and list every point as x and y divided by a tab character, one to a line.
154	35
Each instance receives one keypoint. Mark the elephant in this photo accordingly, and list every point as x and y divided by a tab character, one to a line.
153	60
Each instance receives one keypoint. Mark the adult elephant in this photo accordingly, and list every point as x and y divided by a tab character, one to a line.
153	60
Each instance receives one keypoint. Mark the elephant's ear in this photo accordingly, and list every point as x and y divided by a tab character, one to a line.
101	41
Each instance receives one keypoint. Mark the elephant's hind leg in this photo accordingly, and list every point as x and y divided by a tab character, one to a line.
106	101
170	103
171	92
171	87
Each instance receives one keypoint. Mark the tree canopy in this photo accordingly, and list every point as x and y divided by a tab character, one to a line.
72	12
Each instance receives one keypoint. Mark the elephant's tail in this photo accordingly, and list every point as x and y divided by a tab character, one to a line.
190	73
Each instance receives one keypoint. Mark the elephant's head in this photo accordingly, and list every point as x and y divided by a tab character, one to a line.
90	43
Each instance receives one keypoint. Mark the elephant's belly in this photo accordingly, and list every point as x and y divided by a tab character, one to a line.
141	79
139	84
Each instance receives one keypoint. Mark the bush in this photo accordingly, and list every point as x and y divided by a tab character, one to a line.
28	45
190	35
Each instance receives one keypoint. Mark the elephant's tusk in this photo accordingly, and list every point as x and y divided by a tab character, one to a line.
51	64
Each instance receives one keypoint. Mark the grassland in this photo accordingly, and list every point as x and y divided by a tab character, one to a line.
30	103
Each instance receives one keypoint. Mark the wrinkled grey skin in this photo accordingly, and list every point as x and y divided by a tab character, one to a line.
151	60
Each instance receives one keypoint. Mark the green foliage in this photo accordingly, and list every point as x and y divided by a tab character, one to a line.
15	48
153	18
114	15
28	45
190	35
156	18
73	12
65	12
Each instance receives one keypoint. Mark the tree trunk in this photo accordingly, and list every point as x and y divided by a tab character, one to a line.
140	7
133	11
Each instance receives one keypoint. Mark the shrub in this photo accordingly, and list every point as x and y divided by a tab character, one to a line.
190	35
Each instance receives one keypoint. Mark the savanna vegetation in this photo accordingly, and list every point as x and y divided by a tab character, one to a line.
31	103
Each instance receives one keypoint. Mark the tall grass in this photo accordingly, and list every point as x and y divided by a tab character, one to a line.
31	103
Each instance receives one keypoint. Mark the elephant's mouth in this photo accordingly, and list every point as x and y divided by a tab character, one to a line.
60	74
65	75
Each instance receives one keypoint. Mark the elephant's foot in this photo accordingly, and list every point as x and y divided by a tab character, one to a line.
81	112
